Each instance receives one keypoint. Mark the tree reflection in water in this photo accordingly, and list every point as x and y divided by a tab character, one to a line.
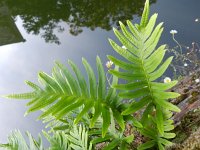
44	16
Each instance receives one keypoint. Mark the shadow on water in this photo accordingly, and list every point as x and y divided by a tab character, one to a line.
46	16
8	30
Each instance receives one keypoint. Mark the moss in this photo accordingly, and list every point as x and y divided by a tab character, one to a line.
189	124
195	93
180	137
192	100
180	98
191	143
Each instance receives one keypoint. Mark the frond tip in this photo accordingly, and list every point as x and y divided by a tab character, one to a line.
145	15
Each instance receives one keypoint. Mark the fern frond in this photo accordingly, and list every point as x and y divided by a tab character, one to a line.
161	121
115	141
144	65
62	93
75	139
78	139
57	141
115	138
17	142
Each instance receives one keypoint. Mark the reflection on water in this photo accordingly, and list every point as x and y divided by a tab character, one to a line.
9	33
43	16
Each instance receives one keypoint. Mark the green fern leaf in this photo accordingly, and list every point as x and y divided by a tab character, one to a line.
112	144
102	80
22	96
97	113
165	142
106	120
78	139
145	15
159	120
147	145
144	65
63	93
169	135
92	79
150	26
163	86
135	106
17	142
87	107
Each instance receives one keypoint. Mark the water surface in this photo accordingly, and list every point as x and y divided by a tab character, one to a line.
51	30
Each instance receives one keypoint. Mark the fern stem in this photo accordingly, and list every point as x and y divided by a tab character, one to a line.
108	79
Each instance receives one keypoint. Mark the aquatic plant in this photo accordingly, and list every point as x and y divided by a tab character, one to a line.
186	57
69	101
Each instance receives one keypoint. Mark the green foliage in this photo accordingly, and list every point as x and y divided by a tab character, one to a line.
17	142
76	139
68	100
59	141
145	65
63	89
114	138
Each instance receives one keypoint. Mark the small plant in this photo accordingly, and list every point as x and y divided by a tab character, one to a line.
184	64
98	115
186	58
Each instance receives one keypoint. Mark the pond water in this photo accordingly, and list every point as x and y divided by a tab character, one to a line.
34	33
